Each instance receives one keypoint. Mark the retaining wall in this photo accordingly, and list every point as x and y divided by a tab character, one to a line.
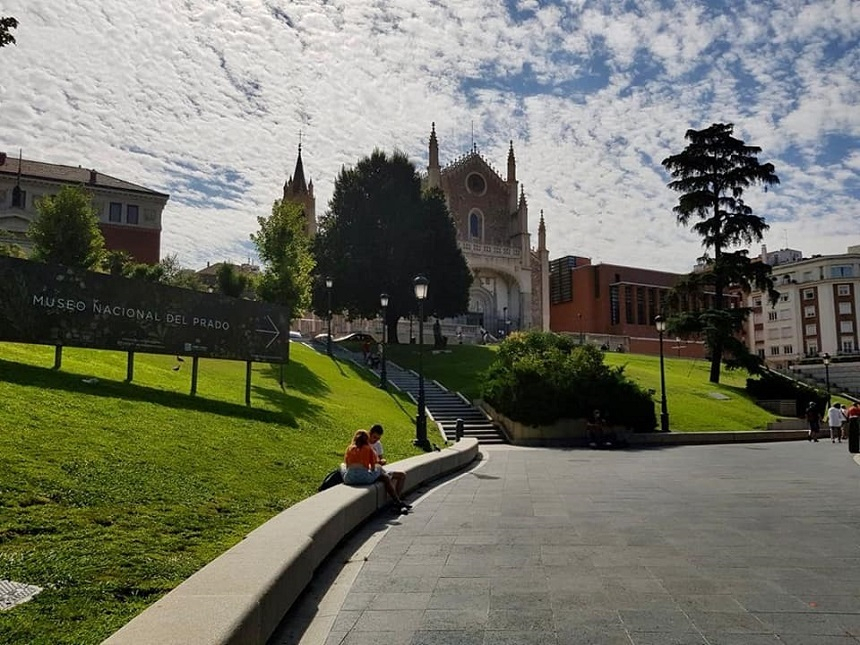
240	597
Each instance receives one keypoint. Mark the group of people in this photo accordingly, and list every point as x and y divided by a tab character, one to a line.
372	355
838	419
363	465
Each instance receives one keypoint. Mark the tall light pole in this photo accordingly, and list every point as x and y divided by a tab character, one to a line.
826	359
329	283
660	324
420	284
505	321
383	377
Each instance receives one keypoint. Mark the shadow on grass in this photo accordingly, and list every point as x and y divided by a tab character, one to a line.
297	377
43	377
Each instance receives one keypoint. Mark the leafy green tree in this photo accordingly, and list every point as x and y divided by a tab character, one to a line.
711	174
379	233
231	282
167	272
116	262
10	249
288	263
7	24
66	229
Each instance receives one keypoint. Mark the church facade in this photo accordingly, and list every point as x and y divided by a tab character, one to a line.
510	287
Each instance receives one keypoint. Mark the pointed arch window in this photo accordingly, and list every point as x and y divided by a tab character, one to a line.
476	225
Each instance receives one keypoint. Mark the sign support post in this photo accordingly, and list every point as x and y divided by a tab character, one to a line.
248	383
194	362
129	371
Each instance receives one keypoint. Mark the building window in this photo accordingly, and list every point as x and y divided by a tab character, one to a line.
774	351
845	308
772	315
475	225
812	349
115	213
757	301
812	330
846	326
809	294
848	345
842	271
614	306
640	306
629	314
809	311
787	349
19	198
807	276
843	289
760	353
131	214
784	298
475	184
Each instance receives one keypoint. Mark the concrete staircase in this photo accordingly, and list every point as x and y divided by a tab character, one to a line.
443	405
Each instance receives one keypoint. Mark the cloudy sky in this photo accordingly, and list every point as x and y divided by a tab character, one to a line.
205	99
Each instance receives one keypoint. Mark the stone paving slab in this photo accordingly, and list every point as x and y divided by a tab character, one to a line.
707	545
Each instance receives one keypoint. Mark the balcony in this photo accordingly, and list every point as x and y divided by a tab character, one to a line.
489	249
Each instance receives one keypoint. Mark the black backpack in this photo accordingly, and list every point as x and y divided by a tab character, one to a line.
334	478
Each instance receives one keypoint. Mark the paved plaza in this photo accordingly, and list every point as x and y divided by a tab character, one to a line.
731	544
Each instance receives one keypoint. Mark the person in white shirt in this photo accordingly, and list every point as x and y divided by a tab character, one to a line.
835	417
397	478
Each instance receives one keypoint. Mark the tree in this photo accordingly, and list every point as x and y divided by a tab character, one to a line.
167	272
288	263
231	282
711	174
116	262
66	229
6	25
379	233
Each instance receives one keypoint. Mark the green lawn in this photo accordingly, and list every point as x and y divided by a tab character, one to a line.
113	493
694	404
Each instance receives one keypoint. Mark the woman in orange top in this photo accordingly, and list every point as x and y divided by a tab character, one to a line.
361	470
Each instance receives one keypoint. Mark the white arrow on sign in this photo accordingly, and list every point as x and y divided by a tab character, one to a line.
274	330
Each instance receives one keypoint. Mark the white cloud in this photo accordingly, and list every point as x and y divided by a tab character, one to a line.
206	98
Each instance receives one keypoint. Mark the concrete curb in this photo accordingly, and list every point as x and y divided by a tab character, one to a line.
697	438
242	595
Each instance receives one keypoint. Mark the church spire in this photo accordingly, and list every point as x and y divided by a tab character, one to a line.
298	191
434	171
512	164
541	233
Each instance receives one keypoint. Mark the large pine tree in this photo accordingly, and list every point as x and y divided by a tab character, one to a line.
711	175
380	232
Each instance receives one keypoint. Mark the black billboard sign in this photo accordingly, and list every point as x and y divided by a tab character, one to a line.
53	305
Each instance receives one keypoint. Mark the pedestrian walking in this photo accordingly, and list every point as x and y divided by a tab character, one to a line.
813	418
835	417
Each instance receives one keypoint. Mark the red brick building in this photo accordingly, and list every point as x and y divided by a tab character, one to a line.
129	214
615	305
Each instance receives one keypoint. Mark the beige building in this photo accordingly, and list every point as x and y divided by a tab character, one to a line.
817	308
129	214
510	289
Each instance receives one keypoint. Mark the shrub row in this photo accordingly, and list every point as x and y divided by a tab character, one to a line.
541	377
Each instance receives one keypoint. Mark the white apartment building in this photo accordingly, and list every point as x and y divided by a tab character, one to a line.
816	311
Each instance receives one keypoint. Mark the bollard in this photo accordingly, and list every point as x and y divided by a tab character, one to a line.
854	435
459	430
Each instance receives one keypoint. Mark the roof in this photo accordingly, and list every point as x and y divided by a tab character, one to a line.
69	175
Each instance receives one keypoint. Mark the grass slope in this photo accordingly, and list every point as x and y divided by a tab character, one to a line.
113	493
690	397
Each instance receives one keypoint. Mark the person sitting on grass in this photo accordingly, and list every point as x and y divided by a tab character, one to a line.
397	478
361	461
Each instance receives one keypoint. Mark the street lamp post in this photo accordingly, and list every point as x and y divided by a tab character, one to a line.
329	283
826	359
420	284
660	324
505	322
383	377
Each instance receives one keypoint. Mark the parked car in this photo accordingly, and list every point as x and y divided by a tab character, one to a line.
321	338
296	335
355	337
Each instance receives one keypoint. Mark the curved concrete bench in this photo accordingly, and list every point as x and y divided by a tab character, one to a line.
242	595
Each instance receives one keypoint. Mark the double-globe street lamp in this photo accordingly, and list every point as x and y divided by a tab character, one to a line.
660	324
420	283
383	377
329	283
826	359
